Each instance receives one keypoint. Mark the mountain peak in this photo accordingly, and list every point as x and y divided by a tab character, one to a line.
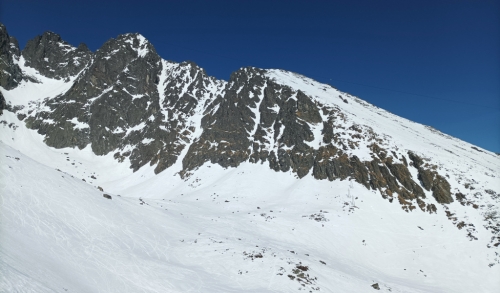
10	73
83	47
269	151
133	36
53	57
50	37
134	45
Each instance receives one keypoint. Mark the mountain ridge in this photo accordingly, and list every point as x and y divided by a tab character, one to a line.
125	103
250	117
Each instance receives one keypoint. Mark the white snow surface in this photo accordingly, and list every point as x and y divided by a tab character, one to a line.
242	229
28	91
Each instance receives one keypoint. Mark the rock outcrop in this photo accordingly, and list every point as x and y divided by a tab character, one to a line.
431	180
10	73
127	101
55	58
3	103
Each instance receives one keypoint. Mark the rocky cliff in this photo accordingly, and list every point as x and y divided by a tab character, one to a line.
10	73
258	174
126	100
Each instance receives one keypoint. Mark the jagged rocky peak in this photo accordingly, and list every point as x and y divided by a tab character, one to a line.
227	123
139	43
146	110
259	120
122	87
55	58
10	73
129	61
131	102
126	45
8	44
256	119
115	92
185	85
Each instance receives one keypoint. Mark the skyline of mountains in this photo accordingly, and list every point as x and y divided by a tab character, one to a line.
133	124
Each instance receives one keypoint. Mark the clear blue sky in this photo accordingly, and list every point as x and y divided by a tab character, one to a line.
434	62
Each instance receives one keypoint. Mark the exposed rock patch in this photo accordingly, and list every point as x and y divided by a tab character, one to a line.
431	180
3	103
10	73
55	58
127	101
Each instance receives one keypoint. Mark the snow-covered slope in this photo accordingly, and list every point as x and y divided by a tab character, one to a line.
245	229
269	182
397	132
219	233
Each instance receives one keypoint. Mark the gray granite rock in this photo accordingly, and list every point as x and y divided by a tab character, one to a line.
55	58
127	101
10	73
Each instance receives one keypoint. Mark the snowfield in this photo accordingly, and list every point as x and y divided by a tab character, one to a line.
245	229
233	230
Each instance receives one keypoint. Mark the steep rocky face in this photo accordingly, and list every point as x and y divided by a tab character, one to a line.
116	91
55	58
183	91
227	124
10	73
3	104
186	91
125	73
127	101
431	180
130	101
258	120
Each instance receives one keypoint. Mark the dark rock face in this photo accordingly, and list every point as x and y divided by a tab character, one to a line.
55	58
3	104
128	95
228	124
441	190
184	94
127	101
400	171
306	109
10	73
118	104
257	120
431	180
110	93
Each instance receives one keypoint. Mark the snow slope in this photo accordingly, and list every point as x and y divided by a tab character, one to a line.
233	230
245	229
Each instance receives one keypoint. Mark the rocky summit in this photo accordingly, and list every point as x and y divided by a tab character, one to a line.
125	103
124	99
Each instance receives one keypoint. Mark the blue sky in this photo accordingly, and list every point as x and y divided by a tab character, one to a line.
434	62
